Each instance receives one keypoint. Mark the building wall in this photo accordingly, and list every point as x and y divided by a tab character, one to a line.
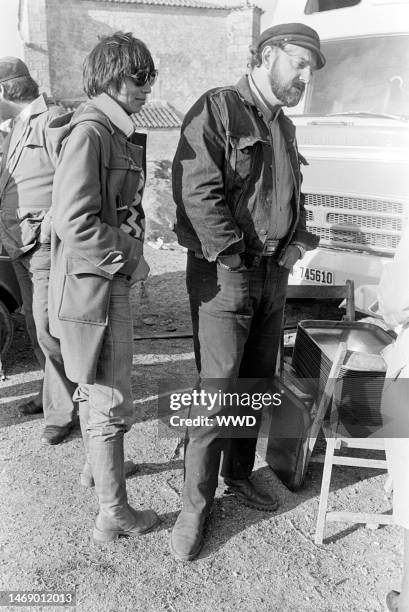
194	49
33	31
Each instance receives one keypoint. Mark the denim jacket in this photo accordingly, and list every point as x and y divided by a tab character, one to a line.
222	177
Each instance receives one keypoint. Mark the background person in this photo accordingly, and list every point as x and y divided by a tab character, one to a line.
97	253
240	214
26	179
393	296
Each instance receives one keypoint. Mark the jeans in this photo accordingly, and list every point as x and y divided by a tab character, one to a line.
33	274
237	318
109	400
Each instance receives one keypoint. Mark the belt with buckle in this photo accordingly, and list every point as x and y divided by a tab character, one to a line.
270	247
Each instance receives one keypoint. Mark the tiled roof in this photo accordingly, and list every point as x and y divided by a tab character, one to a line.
157	114
202	4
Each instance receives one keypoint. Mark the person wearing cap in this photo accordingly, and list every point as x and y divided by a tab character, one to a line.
26	178
240	213
97	254
393	307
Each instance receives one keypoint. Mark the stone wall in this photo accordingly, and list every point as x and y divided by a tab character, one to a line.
33	20
158	203
194	49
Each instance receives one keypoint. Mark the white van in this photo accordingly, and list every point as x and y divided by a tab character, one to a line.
353	129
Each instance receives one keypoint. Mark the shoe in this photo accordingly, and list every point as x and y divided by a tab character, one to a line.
246	493
116	517
54	434
87	479
30	408
187	537
392	601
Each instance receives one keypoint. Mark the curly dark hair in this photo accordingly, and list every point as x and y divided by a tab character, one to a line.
112	59
20	89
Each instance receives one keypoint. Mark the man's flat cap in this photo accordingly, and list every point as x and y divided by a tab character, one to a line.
12	68
294	34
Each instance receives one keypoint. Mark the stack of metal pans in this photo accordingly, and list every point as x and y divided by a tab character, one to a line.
359	388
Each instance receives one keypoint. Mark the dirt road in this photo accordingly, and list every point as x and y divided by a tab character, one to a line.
252	561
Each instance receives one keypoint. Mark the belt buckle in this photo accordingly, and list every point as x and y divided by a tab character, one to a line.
270	247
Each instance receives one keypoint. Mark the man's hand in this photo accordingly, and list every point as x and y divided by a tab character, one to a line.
45	229
232	262
290	256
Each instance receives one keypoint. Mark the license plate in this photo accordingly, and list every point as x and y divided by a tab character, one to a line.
316	275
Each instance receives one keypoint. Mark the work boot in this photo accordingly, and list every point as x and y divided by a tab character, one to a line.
31	407
246	493
115	516
86	477
186	540
54	434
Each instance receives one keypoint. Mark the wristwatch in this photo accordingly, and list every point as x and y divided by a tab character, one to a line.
226	266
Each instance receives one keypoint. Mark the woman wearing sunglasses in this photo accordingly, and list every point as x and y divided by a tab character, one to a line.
98	231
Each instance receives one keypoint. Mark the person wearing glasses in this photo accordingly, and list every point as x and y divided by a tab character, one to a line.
240	214
97	254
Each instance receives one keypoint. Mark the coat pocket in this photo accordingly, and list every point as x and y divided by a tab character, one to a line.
85	295
245	153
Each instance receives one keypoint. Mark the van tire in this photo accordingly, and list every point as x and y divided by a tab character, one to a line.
6	329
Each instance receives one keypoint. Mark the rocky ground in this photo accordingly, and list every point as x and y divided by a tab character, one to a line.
251	561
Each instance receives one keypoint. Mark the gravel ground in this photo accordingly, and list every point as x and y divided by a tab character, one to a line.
251	561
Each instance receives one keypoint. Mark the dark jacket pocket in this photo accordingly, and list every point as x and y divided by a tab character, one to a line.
244	154
86	293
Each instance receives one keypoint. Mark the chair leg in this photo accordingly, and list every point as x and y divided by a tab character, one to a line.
325	484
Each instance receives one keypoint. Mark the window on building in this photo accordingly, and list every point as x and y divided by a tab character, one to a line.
317	6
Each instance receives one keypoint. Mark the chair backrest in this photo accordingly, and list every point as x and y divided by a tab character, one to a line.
324	292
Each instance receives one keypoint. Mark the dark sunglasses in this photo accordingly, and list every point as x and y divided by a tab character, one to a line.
142	77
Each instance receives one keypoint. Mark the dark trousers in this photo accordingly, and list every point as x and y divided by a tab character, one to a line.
33	274
237	318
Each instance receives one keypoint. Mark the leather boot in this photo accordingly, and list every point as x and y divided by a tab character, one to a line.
202	459
86	477
186	540
115	516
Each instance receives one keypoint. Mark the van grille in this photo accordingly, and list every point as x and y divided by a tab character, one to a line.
355	223
330	201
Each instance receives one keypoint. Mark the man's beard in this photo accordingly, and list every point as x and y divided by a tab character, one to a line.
289	94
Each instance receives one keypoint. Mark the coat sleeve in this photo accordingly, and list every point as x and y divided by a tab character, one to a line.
77	205
393	289
198	181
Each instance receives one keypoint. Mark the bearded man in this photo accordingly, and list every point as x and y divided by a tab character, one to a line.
240	214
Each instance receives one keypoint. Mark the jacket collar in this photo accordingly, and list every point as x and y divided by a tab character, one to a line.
115	113
244	91
36	107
